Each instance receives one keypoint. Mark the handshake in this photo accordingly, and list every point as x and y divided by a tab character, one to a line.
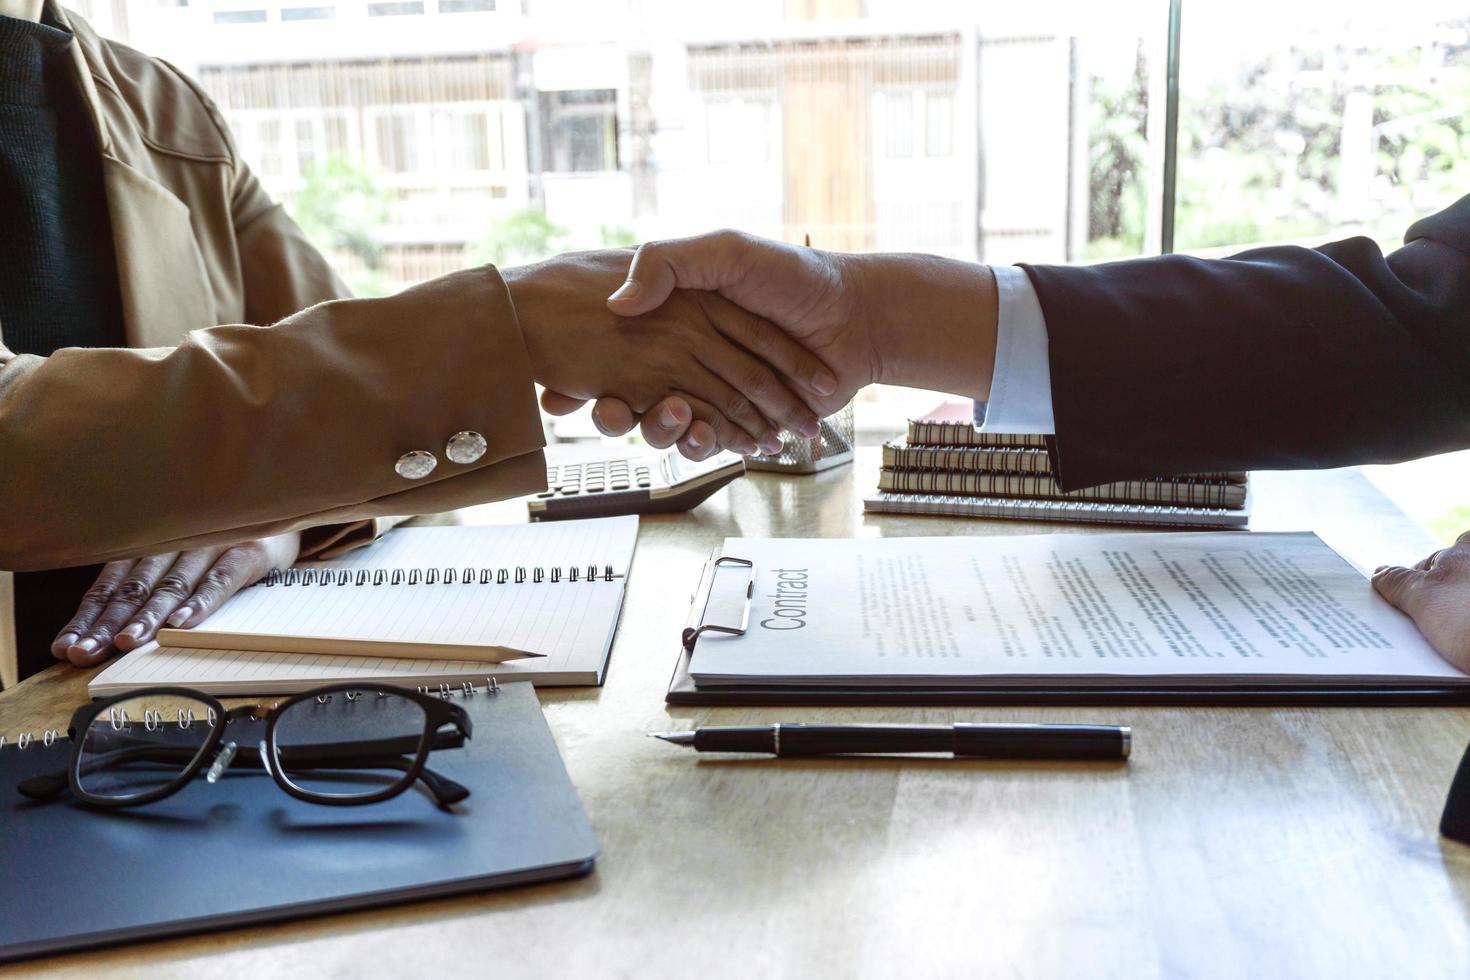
715	342
723	340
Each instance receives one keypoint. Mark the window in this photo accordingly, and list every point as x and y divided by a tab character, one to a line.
938	124
739	129
308	13
896	116
580	130
396	9
334	137
999	133
271	153
469	141
1353	122
396	135
239	16
306	151
1342	121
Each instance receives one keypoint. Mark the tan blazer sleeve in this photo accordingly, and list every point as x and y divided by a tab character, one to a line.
282	272
242	432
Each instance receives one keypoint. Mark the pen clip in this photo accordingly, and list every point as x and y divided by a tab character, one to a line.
712	576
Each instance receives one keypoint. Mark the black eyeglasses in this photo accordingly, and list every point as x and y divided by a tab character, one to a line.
344	745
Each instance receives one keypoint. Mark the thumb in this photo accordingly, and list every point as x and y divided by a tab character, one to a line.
658	268
1398	585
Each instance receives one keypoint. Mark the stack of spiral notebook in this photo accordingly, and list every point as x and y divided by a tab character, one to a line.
949	466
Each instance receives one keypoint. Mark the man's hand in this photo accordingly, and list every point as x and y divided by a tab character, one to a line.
1436	595
899	319
725	365
131	600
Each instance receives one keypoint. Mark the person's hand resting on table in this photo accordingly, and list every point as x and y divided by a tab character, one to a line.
1435	594
896	318
132	600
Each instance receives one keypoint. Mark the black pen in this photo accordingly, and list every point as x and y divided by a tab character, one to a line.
961	739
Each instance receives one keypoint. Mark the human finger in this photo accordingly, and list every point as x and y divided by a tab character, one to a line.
169	594
1400	586
754	379
613	417
95	643
555	403
774	346
727	408
720	431
667	422
1425	564
94	600
234	569
699	442
658	268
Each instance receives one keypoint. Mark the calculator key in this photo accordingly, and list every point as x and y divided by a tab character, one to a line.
620	484
569	491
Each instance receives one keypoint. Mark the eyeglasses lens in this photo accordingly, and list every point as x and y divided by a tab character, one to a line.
344	745
141	745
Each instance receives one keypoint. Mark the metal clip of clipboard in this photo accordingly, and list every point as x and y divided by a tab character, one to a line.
699	610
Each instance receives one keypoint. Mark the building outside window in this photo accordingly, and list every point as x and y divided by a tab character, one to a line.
579	131
995	133
396	140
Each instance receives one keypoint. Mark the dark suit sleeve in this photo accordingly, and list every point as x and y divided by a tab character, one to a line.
1277	358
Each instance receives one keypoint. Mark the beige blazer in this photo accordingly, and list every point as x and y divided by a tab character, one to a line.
207	434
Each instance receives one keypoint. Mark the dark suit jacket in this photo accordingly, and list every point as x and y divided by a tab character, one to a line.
1277	358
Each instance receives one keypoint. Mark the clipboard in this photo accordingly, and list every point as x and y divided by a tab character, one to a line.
721	604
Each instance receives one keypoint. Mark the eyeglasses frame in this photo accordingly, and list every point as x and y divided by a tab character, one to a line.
437	713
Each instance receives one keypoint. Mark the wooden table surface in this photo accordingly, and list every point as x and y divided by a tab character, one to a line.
1237	842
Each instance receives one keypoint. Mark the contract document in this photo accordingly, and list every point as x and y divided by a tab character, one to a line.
1205	609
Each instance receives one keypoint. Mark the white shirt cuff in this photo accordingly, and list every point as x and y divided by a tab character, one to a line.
1020	387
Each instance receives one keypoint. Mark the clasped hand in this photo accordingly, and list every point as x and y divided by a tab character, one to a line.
827	323
708	366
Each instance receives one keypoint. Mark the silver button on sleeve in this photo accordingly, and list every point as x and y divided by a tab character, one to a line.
415	465
465	447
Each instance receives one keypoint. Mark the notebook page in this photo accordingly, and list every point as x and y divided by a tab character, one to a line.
548	618
227	672
565	621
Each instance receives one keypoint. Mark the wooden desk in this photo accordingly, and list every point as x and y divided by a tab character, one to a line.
1237	843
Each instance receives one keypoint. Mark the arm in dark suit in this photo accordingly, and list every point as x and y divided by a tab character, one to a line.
1277	358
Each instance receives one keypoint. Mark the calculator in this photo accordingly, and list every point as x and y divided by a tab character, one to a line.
649	483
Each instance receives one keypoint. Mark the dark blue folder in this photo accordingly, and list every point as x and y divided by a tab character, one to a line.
242	852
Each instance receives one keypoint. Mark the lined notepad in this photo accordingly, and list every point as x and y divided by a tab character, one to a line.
554	589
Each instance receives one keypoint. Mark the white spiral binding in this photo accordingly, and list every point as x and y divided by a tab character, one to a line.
156	719
485	575
24	740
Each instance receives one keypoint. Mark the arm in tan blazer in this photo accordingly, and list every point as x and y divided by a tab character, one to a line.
242	432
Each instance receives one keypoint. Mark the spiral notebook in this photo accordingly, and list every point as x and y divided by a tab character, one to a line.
1079	511
412	609
79	878
950	467
1173	492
